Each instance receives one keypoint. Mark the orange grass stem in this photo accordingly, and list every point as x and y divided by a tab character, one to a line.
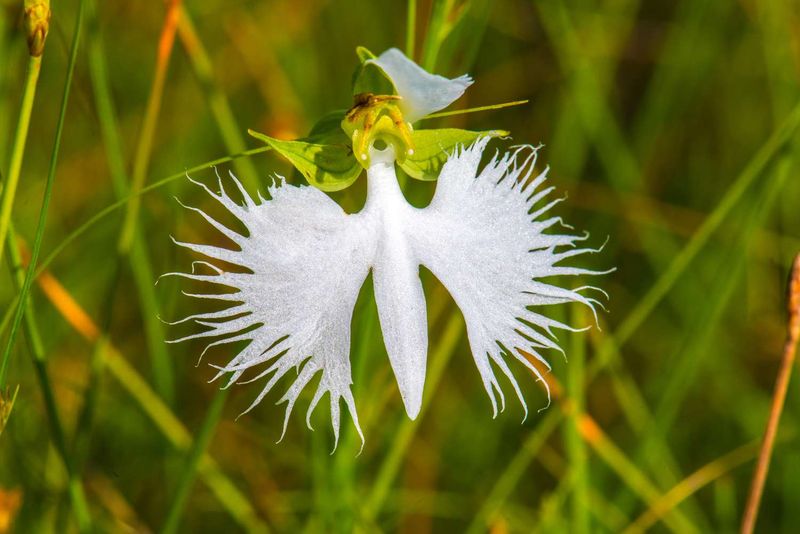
145	146
778	400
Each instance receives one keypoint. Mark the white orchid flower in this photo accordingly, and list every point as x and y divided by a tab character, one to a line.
484	235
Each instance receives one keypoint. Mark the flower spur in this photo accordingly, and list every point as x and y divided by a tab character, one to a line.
483	235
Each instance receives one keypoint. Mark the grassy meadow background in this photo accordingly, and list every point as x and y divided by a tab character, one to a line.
671	126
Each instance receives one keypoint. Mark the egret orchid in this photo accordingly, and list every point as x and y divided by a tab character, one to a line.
485	235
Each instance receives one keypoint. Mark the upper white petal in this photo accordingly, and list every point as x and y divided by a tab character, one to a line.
422	93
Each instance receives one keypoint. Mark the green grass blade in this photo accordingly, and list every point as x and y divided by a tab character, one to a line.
515	469
440	356
679	264
411	28
576	447
51	175
221	110
436	33
492	107
9	189
137	255
113	207
77	496
189	472
165	420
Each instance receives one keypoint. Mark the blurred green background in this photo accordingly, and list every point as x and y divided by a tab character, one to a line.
670	125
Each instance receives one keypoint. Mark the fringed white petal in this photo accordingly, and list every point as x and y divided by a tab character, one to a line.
307	260
481	236
422	92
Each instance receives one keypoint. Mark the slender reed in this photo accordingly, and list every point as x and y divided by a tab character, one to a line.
37	24
51	175
152	405
778	400
575	446
198	448
74	486
411	28
144	149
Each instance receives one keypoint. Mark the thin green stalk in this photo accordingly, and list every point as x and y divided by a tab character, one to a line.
491	107
463	35
687	57
700	339
551	509
37	25
679	264
226	121
411	28
143	276
189	472
160	414
436	33
108	210
576	446
630	473
165	420
137	255
345	463
5	102
144	147
9	189
51	175
387	472
514	471
74	487
588	89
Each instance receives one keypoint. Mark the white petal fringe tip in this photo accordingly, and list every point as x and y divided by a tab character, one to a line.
483	236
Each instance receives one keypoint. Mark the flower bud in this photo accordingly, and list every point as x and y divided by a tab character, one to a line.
7	399
37	24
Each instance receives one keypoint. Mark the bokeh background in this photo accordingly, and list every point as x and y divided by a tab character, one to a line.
669	125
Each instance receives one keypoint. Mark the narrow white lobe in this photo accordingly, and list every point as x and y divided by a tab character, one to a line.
398	291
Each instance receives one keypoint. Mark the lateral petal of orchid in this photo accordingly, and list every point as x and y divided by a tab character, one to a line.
307	260
422	93
478	239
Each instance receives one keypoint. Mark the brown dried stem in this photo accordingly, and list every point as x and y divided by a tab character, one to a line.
778	399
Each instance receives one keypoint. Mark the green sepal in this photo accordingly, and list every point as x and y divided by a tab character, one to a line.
368	77
364	54
432	147
327	166
329	128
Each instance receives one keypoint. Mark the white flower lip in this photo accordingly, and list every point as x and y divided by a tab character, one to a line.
484	236
422	93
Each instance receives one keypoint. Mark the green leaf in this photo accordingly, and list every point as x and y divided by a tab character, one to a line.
327	166
431	148
328	130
